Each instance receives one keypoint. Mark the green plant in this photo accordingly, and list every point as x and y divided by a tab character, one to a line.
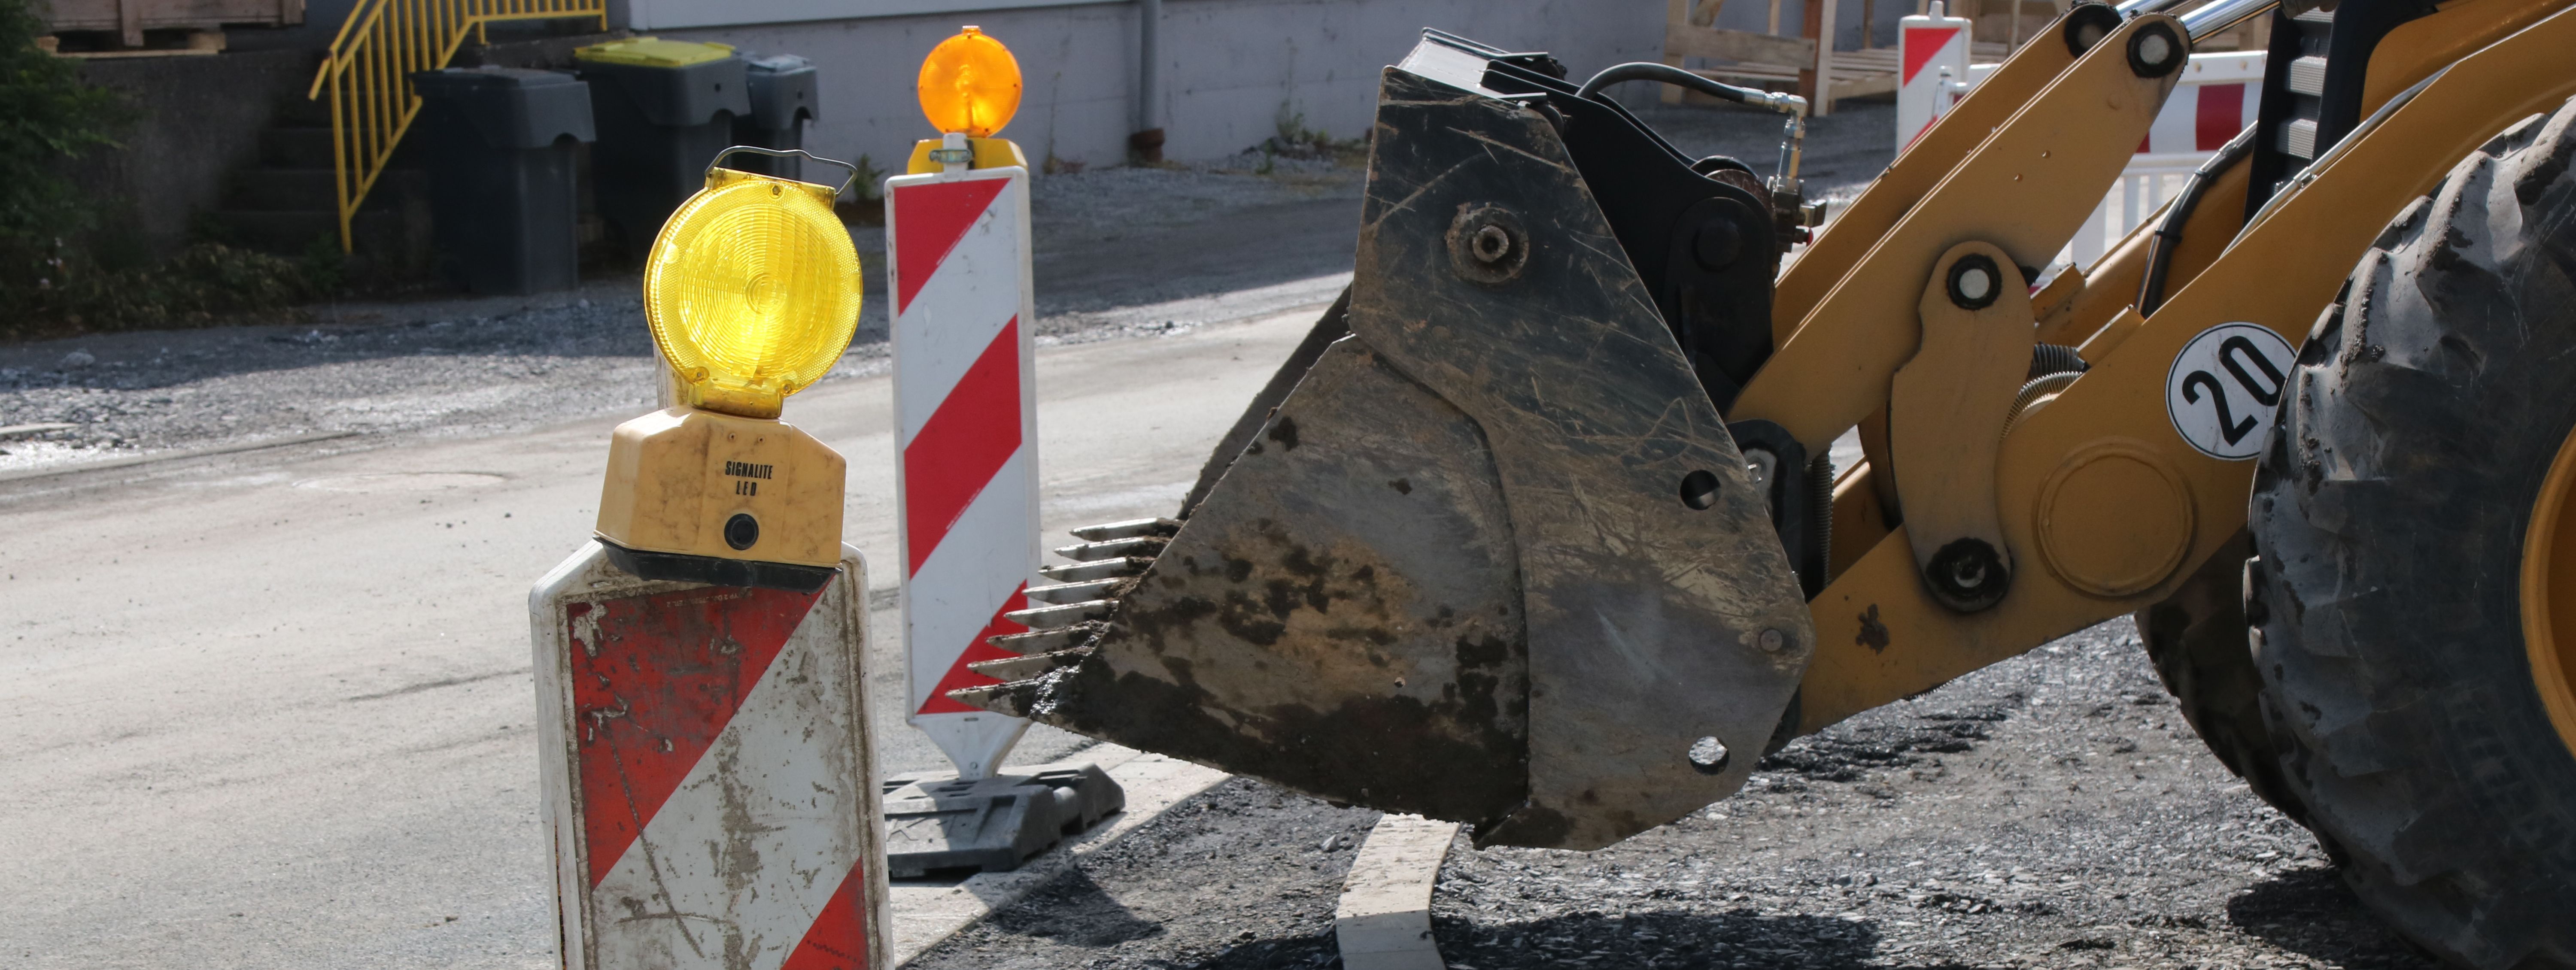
48	119
1292	139
203	284
870	180
50	273
1291	129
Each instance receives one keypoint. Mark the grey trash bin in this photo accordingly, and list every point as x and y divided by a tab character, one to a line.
503	191
664	109
782	101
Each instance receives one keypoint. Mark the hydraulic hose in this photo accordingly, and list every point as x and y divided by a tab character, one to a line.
1792	139
2168	235
1820	515
1668	74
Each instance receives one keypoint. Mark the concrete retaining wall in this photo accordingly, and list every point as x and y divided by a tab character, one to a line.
199	121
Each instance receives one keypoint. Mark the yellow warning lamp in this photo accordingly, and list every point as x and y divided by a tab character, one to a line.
752	291
970	84
969	88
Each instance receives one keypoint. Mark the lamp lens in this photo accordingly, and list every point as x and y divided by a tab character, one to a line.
753	291
971	84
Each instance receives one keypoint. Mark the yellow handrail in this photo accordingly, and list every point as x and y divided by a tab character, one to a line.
368	73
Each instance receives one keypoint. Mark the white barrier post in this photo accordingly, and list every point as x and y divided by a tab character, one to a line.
965	390
966	446
1932	70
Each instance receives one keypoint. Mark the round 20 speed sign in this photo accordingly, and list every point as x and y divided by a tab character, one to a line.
2224	386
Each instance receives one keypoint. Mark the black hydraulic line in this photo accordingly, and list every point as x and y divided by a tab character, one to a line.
1668	74
1791	138
2168	235
1820	518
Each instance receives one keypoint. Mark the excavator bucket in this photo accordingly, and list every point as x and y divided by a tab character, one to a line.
1485	550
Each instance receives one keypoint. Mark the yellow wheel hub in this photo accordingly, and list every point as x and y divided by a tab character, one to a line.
2549	593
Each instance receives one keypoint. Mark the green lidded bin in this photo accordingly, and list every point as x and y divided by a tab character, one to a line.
663	109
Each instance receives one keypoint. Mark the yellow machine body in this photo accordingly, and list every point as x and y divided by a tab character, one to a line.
2094	488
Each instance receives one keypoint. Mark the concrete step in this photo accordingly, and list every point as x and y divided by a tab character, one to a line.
301	112
296	148
313	189
294	233
282	190
277	232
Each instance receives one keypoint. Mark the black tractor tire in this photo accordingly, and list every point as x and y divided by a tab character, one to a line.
2388	516
2197	639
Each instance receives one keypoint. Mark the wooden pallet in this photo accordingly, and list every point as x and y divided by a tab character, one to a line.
98	46
126	21
1776	61
1856	74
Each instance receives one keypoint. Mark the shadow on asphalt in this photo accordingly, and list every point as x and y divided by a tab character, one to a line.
1668	939
1074	910
2310	912
1239	249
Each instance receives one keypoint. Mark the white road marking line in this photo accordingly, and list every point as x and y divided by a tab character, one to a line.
1383	921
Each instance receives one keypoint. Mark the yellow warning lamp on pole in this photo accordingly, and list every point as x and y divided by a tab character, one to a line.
969	88
752	291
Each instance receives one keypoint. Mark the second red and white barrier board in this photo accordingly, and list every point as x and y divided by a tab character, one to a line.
965	383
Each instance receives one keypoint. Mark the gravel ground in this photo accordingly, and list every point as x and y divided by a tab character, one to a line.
1259	873
2050	811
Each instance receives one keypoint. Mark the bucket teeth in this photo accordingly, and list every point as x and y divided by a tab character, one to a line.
1130	529
1050	617
1097	569
1028	667
1009	700
1114	548
1063	633
1048	641
1097	589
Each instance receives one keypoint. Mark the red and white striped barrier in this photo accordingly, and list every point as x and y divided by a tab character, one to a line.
711	792
965	387
2216	99
1932	70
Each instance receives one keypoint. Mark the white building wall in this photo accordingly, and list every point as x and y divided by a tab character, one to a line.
1232	69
